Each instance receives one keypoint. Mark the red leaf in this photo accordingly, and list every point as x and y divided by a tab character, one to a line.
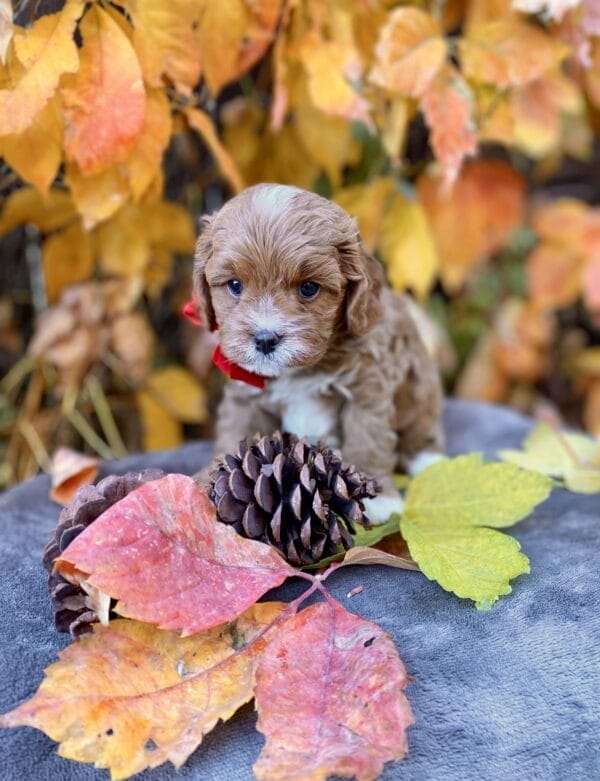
161	552
329	697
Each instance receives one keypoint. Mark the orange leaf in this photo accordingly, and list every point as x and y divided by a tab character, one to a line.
69	471
475	218
166	41
448	109
36	152
203	124
46	50
104	102
145	159
166	532
409	53
348	714
591	282
553	275
130	696
507	53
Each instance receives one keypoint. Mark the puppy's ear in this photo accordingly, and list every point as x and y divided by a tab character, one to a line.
365	280
204	251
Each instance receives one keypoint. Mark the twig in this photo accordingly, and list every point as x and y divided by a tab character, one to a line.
105	416
35	443
80	424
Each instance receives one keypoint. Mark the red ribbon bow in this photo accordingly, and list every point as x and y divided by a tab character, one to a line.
232	370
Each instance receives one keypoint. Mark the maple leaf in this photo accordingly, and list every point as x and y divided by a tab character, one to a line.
131	696
448	109
451	513
166	532
572	458
46	51
104	102
348	714
409	53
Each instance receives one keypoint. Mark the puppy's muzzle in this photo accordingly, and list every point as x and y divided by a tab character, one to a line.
266	341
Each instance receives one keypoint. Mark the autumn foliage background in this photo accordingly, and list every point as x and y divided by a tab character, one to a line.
463	135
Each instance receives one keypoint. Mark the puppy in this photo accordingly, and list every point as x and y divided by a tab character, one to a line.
283	276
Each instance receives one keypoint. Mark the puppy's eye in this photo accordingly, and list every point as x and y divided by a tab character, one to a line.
308	290
235	287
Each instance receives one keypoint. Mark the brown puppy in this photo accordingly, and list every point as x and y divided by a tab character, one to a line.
282	273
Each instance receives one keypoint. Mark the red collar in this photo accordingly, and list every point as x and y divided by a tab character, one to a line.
232	370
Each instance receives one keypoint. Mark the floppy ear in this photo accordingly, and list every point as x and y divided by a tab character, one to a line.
201	289
365	280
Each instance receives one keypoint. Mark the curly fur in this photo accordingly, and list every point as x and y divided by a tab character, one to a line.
350	367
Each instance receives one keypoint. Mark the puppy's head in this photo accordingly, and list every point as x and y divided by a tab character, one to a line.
281	272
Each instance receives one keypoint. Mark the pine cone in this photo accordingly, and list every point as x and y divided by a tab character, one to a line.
299	498
73	611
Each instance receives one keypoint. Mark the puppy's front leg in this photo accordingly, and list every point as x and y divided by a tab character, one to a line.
369	443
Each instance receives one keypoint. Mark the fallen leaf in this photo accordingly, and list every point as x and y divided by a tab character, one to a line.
348	714
448	109
166	532
166	41
407	246
131	696
104	102
409	53
70	470
160	429
370	556
573	458
451	513
47	50
132	342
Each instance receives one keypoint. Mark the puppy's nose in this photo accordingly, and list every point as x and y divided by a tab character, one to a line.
266	341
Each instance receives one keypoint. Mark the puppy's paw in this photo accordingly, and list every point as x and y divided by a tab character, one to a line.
381	507
423	460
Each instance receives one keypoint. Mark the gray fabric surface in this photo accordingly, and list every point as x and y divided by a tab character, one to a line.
509	694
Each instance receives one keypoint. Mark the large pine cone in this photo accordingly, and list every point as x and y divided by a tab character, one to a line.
73	611
297	497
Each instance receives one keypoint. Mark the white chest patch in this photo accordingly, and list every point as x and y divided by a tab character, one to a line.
308	407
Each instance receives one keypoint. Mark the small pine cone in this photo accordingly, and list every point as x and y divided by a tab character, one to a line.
299	498
73	611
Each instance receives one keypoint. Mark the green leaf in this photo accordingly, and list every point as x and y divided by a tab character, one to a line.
574	458
447	509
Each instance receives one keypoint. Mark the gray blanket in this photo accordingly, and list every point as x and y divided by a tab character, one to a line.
506	695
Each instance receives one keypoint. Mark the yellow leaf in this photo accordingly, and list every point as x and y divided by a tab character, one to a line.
97	196
333	67
105	101
179	392
67	258
36	152
409	53
474	219
574	458
407	247
394	127
203	124
47	213
122	244
160	430
448	109
131	696
367	203
166	40
145	158
169	226
234	36
451	514
157	271
46	50
508	52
